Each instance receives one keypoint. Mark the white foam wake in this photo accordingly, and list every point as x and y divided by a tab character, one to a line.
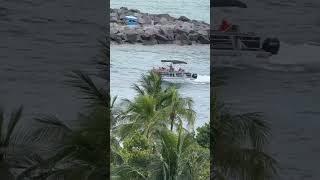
202	79
307	53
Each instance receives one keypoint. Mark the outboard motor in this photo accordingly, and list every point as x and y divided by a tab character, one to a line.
271	45
194	76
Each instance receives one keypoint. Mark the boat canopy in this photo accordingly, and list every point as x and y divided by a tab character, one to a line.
174	61
131	18
227	3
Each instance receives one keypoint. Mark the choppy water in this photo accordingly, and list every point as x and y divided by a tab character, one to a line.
198	10
129	62
40	42
287	87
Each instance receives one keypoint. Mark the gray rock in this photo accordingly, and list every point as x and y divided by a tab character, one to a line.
203	39
183	18
184	27
194	36
165	29
151	41
163	20
135	10
183	39
160	37
132	38
114	17
116	38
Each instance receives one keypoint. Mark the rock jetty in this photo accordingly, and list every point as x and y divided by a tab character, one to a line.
157	29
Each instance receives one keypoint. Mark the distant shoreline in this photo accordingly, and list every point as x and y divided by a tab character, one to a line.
157	29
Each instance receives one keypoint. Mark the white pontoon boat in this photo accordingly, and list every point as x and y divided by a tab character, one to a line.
174	74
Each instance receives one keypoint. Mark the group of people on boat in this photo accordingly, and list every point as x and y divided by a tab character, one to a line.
168	69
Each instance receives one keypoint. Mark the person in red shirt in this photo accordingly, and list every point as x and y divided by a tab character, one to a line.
225	26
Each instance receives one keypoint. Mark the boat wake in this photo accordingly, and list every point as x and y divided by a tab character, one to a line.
291	58
202	79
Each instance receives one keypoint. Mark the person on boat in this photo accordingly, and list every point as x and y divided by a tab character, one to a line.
225	26
171	67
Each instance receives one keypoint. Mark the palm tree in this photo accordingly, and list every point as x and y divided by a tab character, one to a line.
150	113
17	146
179	156
6	135
169	99
142	115
150	84
179	108
238	141
237	146
171	157
81	153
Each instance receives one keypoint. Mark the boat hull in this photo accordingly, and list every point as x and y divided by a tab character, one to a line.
176	79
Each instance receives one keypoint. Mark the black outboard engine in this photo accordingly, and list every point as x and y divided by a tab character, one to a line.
194	76
271	45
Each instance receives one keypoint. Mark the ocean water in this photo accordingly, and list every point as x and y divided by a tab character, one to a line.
41	41
129	62
286	88
198	10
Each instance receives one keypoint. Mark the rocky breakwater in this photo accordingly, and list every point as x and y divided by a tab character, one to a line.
157	29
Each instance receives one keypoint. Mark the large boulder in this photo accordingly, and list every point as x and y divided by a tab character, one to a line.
163	21
182	39
161	39
122	36
160	18
151	30
184	19
131	34
114	17
194	36
183	27
145	19
114	28
132	38
168	31
203	39
122	12
149	40
134	11
116	38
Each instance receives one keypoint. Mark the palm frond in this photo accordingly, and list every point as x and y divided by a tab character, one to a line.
14	119
83	82
103	61
51	129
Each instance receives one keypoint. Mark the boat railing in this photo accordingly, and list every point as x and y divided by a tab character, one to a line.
235	40
232	33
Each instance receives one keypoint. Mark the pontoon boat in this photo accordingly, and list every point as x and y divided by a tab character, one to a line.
173	74
233	43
